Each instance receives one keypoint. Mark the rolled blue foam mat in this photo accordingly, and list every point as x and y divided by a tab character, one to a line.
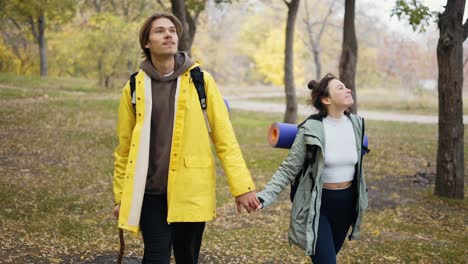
365	145
227	104
282	135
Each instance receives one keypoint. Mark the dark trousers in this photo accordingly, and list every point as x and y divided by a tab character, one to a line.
337	213
159	237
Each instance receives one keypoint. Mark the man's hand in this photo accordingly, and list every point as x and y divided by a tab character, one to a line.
116	211
247	200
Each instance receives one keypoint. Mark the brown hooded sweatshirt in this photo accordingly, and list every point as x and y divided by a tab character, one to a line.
163	89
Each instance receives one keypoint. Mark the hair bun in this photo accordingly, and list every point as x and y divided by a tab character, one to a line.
312	85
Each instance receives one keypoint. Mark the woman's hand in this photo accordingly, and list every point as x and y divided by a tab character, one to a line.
259	207
247	200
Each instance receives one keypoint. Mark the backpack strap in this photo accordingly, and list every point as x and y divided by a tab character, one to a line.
132	89
311	151
199	82
365	139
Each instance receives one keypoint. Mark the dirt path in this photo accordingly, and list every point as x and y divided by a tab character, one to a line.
244	102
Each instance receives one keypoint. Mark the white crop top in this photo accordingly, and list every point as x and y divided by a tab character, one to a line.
340	150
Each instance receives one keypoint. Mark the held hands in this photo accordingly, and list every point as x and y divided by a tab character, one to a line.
260	207
249	201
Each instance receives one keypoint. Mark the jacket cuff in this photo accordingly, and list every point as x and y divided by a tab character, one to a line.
242	186
265	202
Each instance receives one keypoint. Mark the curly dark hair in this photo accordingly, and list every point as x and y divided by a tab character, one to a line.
319	91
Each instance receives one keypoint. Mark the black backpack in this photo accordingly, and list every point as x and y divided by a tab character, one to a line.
197	78
311	151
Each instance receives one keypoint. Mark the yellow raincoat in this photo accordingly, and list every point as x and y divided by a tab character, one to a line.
191	190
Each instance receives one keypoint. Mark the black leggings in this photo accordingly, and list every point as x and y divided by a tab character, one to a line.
337	213
159	237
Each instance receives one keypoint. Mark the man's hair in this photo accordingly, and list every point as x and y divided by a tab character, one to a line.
146	27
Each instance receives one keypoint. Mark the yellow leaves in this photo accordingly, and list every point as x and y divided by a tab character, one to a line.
269	57
395	196
8	62
55	260
390	258
262	39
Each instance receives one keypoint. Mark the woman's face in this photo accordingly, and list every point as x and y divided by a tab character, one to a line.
338	95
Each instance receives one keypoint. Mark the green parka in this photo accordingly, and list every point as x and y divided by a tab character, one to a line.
305	211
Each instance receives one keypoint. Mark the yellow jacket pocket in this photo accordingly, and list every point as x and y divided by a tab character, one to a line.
197	162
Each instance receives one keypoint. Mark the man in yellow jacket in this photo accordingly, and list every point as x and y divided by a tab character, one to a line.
164	175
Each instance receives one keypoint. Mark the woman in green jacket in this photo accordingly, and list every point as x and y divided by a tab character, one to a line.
331	194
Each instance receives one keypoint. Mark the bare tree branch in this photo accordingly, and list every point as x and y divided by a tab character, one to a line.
17	52
287	3
336	26
192	24
162	4
138	12
5	37
116	62
313	24
125	8
14	45
33	28
114	6
97	5
324	23
309	24
196	15
15	23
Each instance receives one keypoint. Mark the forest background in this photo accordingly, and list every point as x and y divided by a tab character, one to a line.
240	42
57	125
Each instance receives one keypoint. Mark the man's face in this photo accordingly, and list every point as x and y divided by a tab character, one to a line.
163	38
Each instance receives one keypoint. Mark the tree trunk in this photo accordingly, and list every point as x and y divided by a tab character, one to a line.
450	167
290	116
107	81
42	44
349	51
192	29
39	36
180	11
100	73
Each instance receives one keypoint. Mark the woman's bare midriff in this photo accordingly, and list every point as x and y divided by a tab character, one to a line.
337	185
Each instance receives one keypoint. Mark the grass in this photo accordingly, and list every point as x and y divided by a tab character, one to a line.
56	194
14	86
